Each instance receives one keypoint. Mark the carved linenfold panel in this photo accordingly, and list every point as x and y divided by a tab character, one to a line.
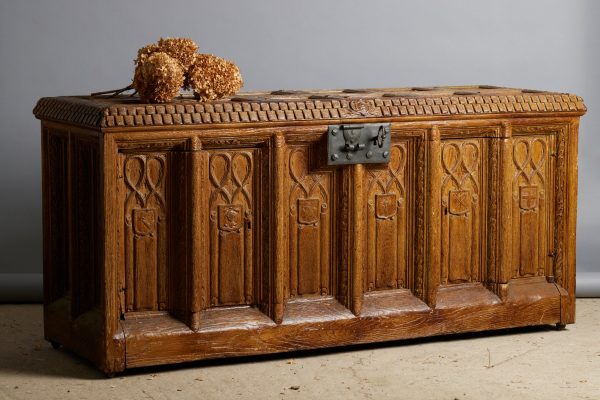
309	227
462	211
231	208
388	227
145	230
532	209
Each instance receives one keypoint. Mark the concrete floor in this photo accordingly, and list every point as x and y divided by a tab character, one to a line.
531	363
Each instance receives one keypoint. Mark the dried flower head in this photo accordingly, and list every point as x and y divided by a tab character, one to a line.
182	49
158	78
163	68
146	52
212	77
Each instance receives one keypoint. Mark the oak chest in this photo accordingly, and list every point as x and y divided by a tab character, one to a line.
288	220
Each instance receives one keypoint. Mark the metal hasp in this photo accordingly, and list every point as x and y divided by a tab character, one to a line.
358	144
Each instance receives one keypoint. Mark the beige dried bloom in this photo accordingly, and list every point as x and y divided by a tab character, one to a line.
182	49
163	68
146	52
158	78
212	77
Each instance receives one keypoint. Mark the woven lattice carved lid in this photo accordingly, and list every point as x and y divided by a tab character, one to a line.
317	105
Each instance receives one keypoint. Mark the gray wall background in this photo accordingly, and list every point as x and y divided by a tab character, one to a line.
63	47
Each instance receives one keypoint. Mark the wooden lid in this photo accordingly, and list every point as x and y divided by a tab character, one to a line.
314	105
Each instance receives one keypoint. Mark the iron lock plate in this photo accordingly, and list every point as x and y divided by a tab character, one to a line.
358	144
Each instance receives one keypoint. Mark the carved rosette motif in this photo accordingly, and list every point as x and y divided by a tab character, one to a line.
461	210
145	231
387	223
309	227
363	107
231	238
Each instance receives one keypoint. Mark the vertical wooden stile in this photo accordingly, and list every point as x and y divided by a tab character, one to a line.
113	340
571	229
504	272
198	231
433	218
357	237
279	232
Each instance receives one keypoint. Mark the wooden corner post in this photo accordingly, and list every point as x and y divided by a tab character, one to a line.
572	171
114	339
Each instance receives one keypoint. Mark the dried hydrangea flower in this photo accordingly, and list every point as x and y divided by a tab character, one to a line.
182	49
146	52
212	77
164	67
158	78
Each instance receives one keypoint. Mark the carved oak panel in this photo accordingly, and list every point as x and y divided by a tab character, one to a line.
143	197
309	227
389	205
532	209
231	212
463	215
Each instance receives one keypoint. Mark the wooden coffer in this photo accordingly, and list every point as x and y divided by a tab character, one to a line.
185	231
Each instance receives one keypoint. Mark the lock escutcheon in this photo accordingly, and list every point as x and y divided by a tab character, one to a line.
358	144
